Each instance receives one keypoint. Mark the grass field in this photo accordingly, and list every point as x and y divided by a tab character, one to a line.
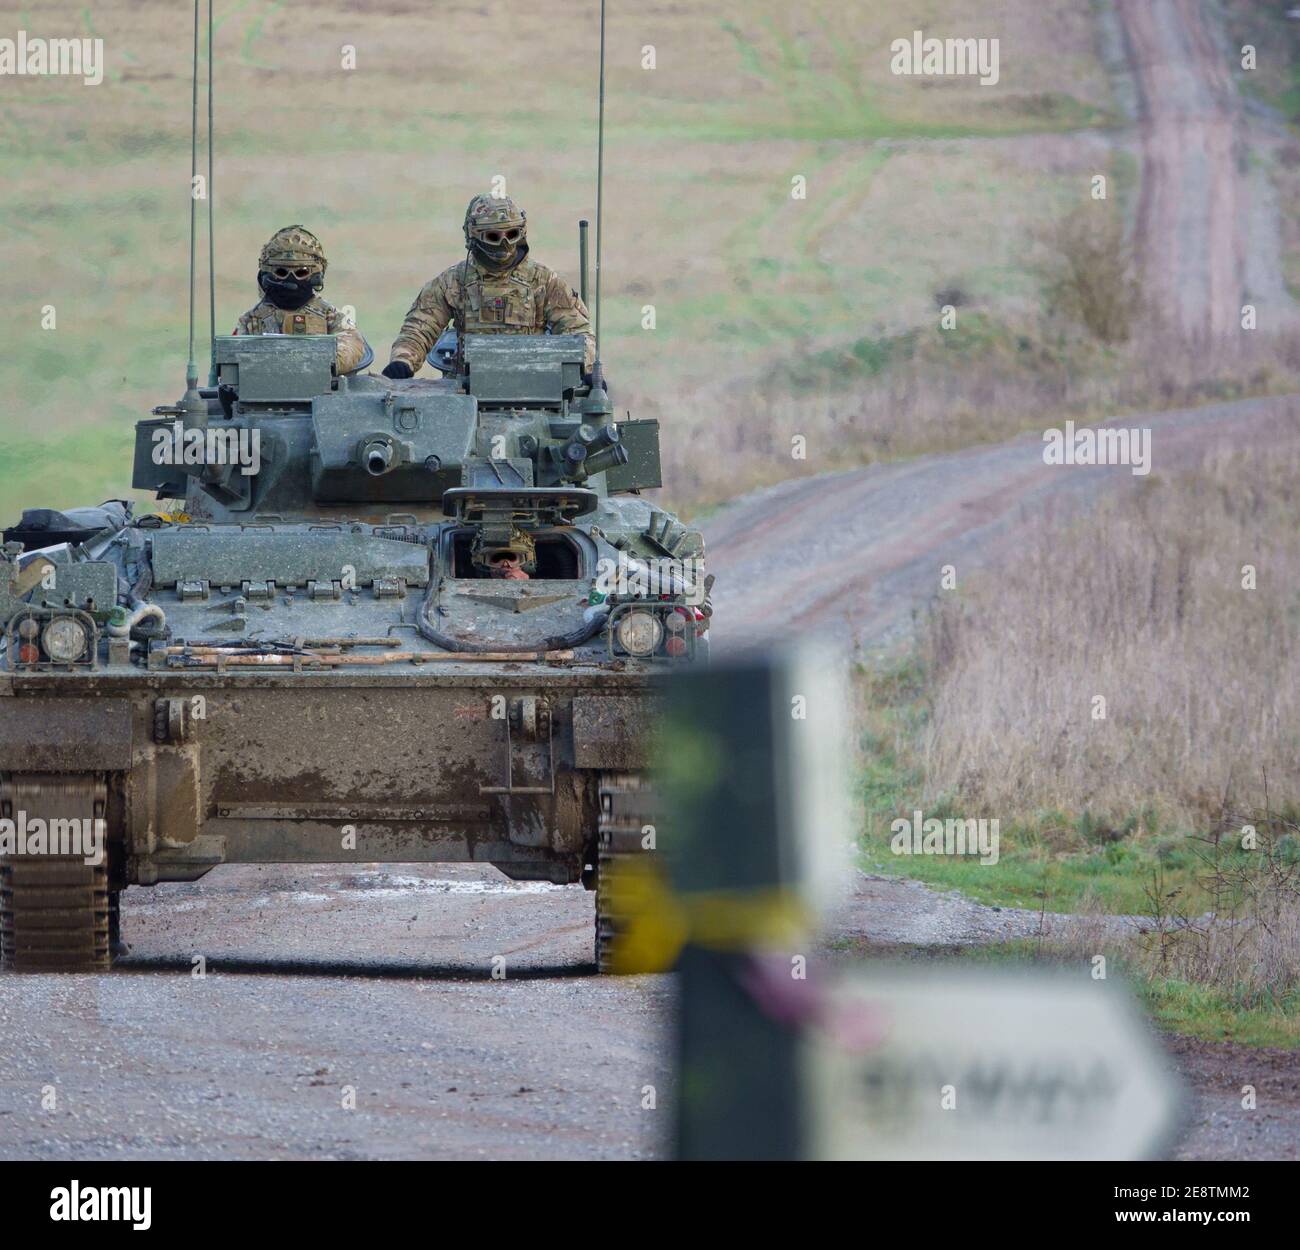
913	187
1142	602
1147	810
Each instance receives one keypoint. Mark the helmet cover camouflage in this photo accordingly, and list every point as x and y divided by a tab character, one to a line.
293	247
493	213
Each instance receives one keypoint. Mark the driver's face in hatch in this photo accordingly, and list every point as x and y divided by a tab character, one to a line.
507	566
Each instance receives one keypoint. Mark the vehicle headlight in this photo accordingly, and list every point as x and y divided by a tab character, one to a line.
65	640
640	633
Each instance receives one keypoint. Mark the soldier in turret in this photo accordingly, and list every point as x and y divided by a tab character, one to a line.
291	272
496	289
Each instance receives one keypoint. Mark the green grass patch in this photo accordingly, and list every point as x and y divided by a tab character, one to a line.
837	102
1117	878
1056	861
1210	1013
1218	1015
1275	79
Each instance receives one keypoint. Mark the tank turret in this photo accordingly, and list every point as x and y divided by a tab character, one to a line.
283	435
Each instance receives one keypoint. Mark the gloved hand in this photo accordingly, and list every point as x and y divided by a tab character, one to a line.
398	369
587	380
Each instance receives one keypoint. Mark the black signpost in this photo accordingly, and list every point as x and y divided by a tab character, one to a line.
733	856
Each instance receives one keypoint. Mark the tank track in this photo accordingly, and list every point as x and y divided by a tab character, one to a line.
116	946
627	805
54	910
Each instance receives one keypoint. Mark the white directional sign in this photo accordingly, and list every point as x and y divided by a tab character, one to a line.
923	1062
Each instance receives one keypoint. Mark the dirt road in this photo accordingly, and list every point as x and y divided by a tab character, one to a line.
328	988
353	1014
852	556
1192	211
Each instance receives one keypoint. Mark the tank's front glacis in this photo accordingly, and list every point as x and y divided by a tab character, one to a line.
433	612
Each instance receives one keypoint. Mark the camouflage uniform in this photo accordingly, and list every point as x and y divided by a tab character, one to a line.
317	317
497	289
292	265
528	300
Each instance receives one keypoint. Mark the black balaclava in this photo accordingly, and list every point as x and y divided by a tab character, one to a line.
501	258
289	293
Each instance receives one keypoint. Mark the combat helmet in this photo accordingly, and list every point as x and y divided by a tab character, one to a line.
294	248
496	229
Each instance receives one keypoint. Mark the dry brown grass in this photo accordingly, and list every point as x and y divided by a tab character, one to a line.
1142	604
934	397
1092	280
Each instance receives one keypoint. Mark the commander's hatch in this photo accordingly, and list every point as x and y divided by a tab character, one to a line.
275	368
524	370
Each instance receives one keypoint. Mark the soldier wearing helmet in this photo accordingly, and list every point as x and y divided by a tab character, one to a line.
291	272
496	289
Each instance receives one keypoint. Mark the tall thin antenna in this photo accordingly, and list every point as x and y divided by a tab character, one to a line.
583	261
212	228
600	173
191	370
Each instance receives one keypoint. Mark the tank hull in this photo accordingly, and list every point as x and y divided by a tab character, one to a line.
472	763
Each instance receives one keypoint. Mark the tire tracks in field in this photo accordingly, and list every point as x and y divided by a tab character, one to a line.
1192	210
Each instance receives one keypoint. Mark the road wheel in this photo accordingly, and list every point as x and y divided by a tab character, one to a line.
53	909
626	807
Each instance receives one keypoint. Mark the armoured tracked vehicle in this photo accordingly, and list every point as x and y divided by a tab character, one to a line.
391	621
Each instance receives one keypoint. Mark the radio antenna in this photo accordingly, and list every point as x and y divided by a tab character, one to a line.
600	173
191	370
212	228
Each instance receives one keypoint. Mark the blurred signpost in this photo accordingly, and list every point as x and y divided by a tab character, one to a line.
781	1059
986	1064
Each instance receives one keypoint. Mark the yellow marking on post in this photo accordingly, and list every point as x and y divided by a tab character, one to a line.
659	921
